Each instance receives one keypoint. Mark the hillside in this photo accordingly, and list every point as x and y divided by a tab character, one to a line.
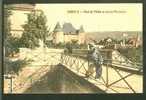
114	34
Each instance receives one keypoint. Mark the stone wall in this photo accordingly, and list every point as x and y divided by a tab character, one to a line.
41	56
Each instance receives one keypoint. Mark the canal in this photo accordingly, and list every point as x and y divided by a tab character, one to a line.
61	80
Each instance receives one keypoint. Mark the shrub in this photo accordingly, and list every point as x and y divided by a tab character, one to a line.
13	67
133	54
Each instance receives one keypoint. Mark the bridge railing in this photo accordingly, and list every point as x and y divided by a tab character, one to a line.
80	65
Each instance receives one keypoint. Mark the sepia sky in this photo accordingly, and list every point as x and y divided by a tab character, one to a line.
102	17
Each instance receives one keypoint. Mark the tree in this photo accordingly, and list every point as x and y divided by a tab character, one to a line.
74	44
49	43
68	47
60	45
133	54
7	23
35	28
11	44
83	46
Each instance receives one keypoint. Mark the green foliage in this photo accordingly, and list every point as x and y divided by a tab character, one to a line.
133	54
13	67
74	41
11	46
11	43
108	44
83	46
7	23
68	48
75	44
60	45
49	43
105	41
34	29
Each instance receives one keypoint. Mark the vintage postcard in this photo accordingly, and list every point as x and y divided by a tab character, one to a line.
73	48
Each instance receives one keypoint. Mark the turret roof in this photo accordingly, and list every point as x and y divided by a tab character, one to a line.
67	28
57	28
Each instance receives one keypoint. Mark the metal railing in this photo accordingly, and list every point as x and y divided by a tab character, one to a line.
80	64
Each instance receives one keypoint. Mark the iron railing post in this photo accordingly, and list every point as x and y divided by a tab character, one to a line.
107	75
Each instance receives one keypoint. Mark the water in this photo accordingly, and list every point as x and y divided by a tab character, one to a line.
62	80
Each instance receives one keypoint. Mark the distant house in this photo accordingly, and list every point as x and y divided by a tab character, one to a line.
19	17
107	41
67	33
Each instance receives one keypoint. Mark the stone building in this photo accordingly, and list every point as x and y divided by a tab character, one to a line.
19	17
64	34
67	33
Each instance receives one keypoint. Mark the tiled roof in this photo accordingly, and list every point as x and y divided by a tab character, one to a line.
68	28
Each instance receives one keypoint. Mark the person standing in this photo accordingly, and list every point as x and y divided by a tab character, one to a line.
95	57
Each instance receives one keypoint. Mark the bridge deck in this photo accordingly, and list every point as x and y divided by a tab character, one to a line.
41	76
62	80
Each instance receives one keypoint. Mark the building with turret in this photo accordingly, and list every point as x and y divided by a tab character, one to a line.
58	35
67	33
